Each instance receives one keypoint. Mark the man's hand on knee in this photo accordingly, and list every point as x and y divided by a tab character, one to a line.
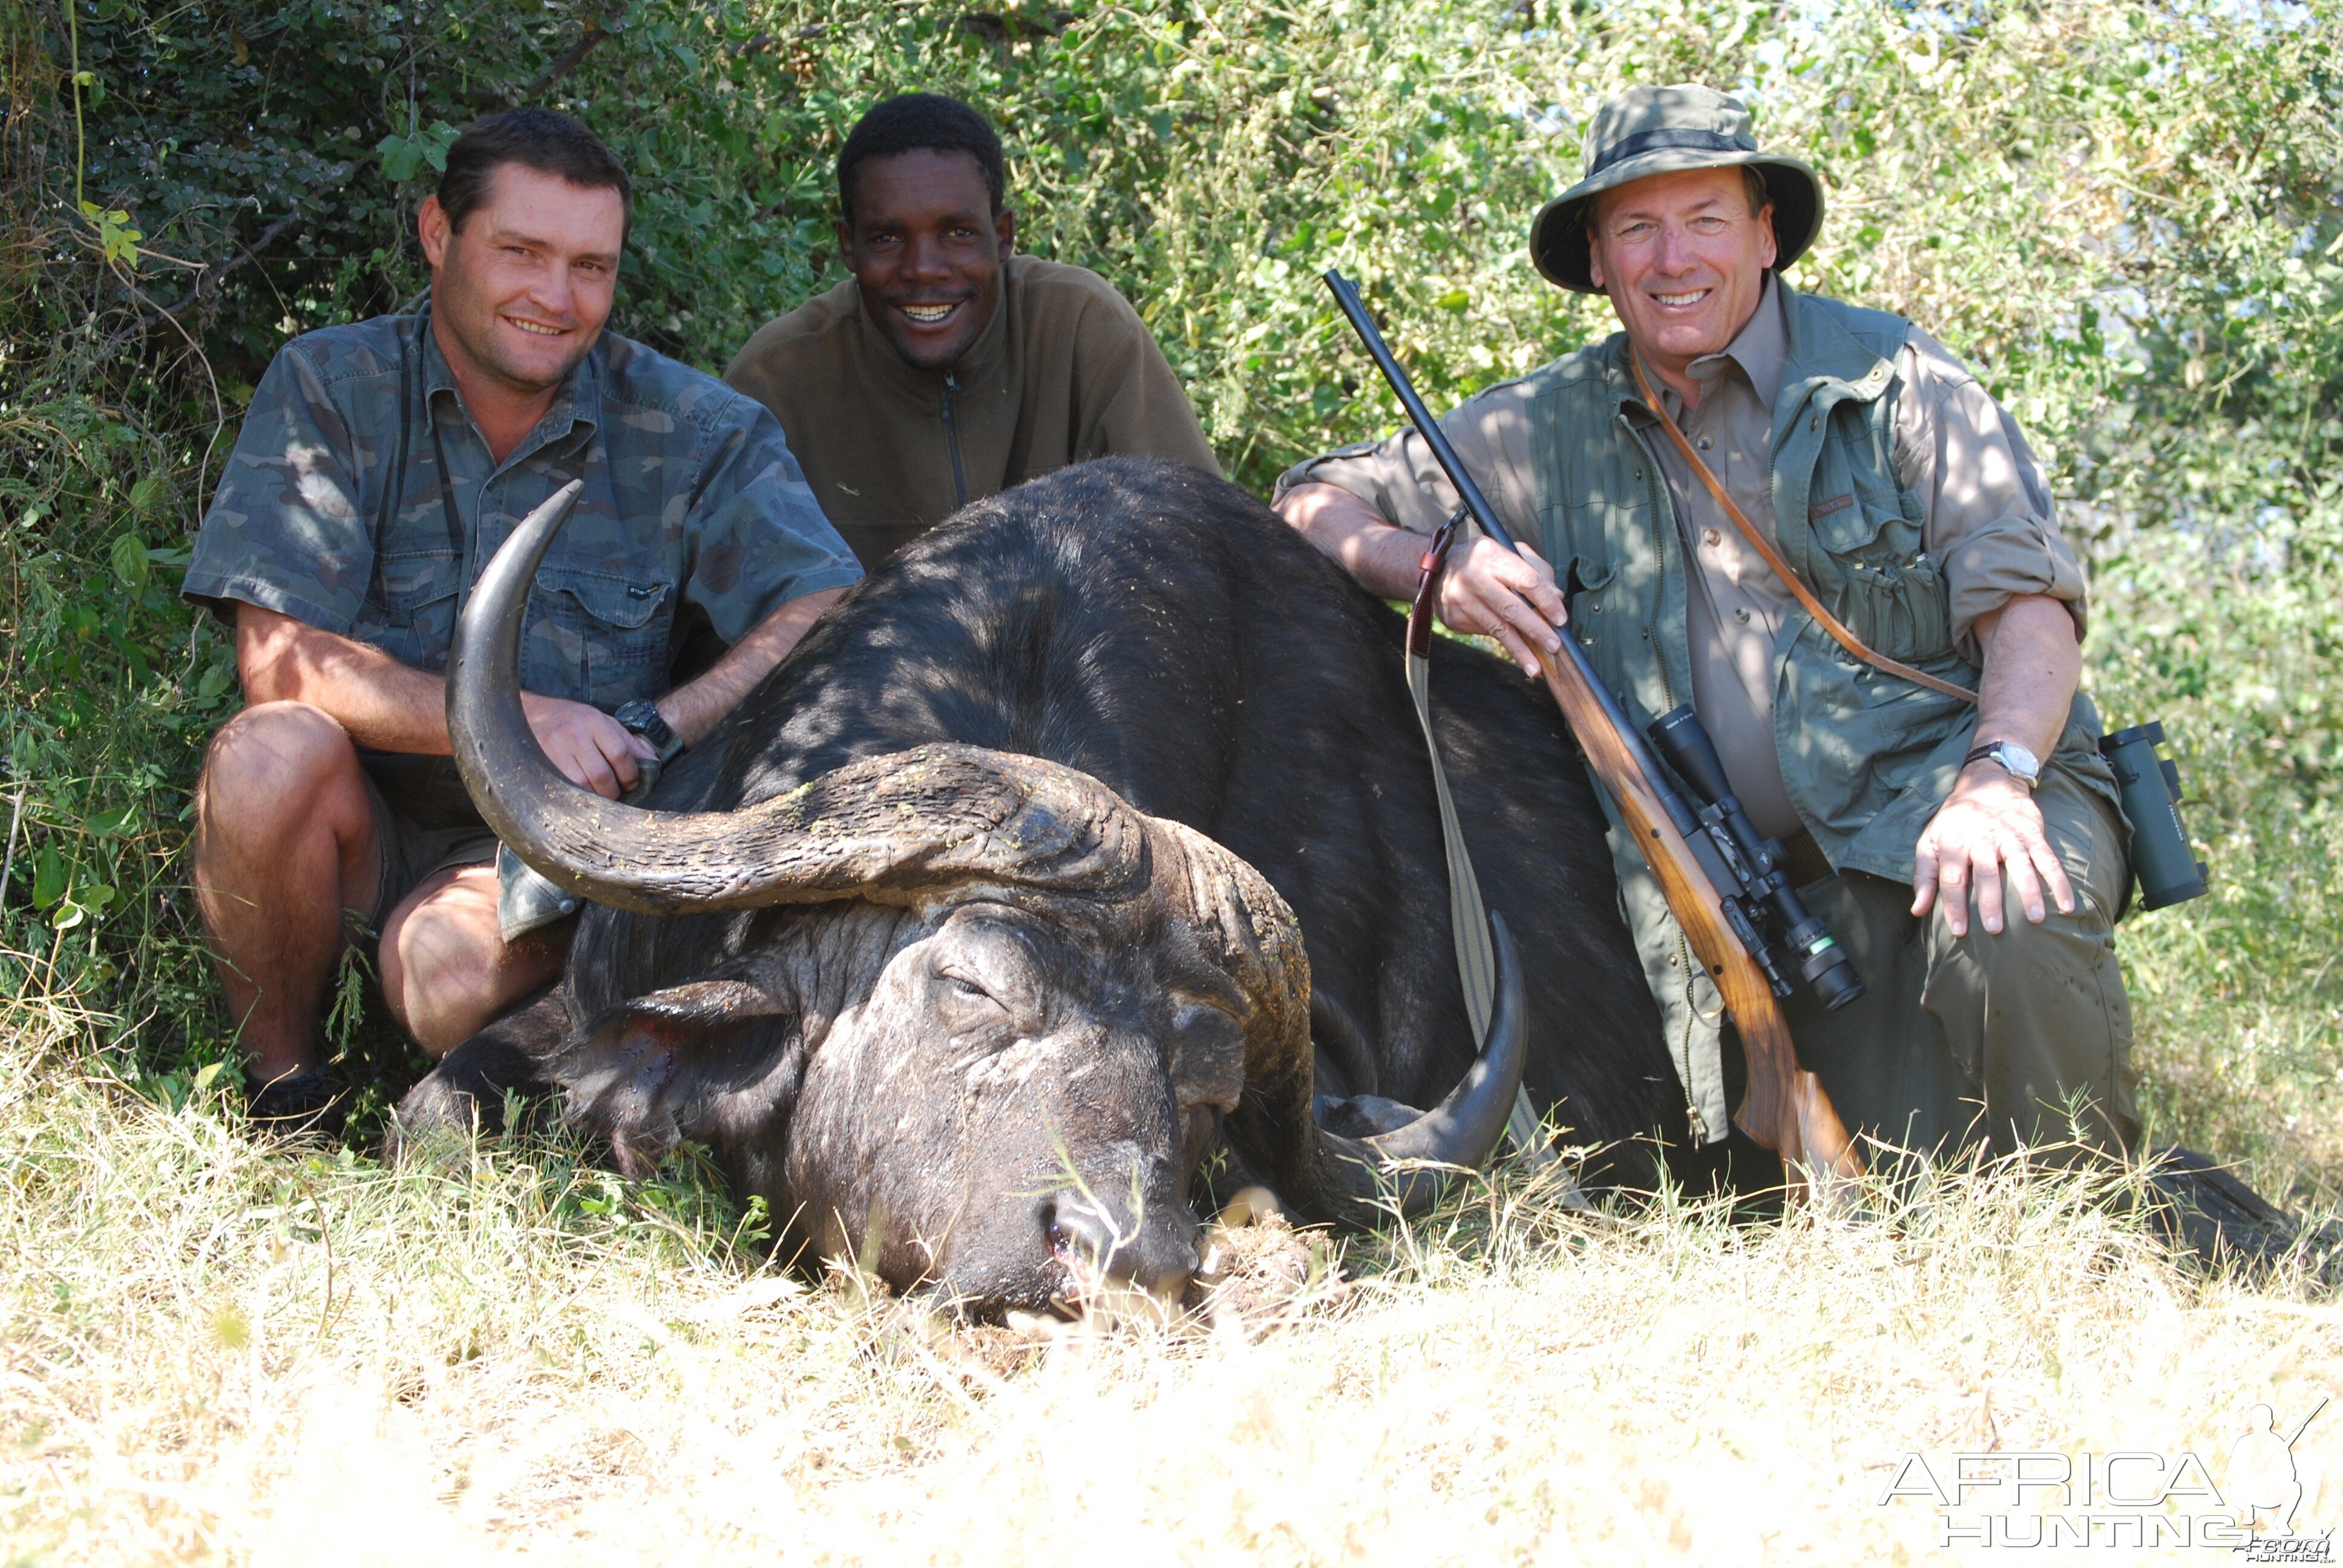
589	746
1989	822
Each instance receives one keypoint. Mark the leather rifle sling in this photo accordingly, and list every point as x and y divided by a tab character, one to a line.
1468	917
1773	558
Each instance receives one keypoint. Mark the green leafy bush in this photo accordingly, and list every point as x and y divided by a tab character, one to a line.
2126	218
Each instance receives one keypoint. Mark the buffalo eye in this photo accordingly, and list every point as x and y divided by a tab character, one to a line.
967	1002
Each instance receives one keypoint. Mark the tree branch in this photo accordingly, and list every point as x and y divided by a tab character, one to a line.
601	27
206	285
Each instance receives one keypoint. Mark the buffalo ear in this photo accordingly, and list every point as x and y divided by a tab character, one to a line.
713	1061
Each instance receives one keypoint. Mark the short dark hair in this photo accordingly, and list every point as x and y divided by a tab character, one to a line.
546	140
921	121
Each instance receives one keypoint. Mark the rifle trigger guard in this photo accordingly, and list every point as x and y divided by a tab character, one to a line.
1427	586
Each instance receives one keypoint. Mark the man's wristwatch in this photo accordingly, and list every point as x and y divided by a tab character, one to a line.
2012	758
643	718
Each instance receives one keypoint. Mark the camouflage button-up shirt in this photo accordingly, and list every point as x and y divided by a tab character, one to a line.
361	500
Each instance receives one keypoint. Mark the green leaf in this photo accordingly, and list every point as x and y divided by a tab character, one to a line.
436	141
115	823
48	877
214	681
129	555
149	495
115	237
400	159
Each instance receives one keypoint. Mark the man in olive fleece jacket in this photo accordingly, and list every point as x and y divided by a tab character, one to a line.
947	369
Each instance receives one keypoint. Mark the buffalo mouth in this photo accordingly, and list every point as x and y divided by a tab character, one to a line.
945	819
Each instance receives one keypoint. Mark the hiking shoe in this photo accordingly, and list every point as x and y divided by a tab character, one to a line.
302	1105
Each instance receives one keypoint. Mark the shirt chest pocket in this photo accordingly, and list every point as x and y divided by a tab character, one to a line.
411	613
597	638
1589	576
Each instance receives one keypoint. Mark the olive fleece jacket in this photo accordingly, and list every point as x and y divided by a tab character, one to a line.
1065	371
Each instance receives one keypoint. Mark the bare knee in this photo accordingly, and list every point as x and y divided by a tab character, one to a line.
279	765
446	971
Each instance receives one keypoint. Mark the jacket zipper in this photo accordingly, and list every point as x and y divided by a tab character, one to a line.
951	439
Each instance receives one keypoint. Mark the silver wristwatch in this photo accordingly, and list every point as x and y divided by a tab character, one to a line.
2012	758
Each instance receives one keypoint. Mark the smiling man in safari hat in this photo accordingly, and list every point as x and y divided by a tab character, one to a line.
1905	501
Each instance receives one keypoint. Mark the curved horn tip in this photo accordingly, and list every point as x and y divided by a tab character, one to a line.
1460	1132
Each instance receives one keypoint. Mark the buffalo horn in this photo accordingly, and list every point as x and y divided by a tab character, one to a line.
887	829
897	828
1259	942
1403	1169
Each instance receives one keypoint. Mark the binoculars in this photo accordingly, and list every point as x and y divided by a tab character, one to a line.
1753	884
2168	872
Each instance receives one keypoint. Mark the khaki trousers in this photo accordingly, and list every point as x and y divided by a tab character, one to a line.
1992	1037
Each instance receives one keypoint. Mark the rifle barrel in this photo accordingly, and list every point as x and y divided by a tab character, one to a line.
1346	295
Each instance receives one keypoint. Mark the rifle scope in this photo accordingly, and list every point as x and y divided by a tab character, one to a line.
1764	899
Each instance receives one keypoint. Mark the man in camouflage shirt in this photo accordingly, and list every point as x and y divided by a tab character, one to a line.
379	467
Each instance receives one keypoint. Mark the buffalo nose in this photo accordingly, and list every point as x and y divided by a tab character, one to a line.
1155	1252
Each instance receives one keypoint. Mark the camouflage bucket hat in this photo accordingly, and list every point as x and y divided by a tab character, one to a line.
1647	131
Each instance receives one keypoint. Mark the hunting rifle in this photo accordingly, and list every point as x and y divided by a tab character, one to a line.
1785	1107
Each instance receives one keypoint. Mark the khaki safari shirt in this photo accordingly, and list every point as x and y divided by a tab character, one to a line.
361	500
1065	371
1989	518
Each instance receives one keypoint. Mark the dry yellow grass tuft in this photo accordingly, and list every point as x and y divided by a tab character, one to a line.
218	1353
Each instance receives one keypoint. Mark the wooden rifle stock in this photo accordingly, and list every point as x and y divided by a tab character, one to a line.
1785	1107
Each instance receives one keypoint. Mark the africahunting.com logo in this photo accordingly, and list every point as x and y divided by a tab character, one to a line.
2135	1498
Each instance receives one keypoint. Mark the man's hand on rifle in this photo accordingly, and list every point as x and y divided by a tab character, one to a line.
1490	591
1487	590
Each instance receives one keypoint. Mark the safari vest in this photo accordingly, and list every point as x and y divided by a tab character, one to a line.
1866	758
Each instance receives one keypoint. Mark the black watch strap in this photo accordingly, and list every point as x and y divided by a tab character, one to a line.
1992	753
644	719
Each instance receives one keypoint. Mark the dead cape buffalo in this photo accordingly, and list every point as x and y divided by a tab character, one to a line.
1092	835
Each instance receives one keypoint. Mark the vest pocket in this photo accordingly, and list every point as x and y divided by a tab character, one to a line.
1892	594
1901	608
596	637
1581	596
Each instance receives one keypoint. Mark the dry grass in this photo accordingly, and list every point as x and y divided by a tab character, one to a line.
220	1354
